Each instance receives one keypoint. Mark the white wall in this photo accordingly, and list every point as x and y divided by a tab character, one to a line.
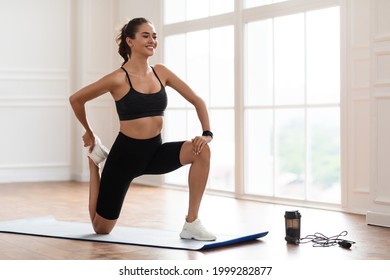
379	208
367	185
34	87
357	117
48	50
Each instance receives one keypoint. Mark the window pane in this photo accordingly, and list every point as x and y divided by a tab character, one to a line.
194	127
222	66
324	155
218	7
290	153
198	61
289	59
182	10
175	123
222	150
174	11
323	56
255	3
259	75
197	9
174	59
259	152
180	125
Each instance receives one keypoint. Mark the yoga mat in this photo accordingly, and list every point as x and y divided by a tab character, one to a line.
48	226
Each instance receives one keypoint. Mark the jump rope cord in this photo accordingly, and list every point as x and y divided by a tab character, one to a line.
320	240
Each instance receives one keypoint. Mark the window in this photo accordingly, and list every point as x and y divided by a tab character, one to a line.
292	107
289	109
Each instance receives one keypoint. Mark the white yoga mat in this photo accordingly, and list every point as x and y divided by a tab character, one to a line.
48	226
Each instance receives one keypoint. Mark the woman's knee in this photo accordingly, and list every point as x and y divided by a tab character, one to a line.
204	157
187	155
102	225
206	152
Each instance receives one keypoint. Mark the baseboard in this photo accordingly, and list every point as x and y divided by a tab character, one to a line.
378	219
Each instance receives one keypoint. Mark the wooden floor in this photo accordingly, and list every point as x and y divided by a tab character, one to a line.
160	208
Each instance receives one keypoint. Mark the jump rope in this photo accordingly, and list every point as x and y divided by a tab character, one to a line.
320	240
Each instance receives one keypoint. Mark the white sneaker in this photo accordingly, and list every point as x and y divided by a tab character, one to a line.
99	152
197	231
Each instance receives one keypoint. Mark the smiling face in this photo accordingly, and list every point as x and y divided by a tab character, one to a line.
145	41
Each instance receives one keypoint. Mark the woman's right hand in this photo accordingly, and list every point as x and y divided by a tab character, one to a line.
89	140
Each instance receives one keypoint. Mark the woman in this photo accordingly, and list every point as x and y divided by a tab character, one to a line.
139	93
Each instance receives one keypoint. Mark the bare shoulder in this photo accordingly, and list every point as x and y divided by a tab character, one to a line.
115	78
164	70
113	81
160	67
165	73
116	83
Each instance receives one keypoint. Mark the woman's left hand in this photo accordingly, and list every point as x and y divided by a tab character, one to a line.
199	142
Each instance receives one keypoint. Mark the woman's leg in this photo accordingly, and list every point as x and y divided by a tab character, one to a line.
100	224
197	178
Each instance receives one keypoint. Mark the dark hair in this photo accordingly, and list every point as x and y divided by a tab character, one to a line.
129	30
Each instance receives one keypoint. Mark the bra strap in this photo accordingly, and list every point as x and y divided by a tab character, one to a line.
157	76
127	75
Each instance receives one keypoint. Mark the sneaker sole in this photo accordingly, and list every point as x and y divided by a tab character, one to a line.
186	235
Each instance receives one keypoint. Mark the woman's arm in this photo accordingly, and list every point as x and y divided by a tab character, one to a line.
78	100
172	80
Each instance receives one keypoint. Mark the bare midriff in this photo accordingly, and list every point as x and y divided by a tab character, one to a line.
143	128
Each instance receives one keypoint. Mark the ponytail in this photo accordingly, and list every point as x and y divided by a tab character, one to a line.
124	49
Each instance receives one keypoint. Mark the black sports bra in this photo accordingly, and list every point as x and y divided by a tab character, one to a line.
135	105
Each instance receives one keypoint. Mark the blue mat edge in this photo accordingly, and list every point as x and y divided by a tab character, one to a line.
238	240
